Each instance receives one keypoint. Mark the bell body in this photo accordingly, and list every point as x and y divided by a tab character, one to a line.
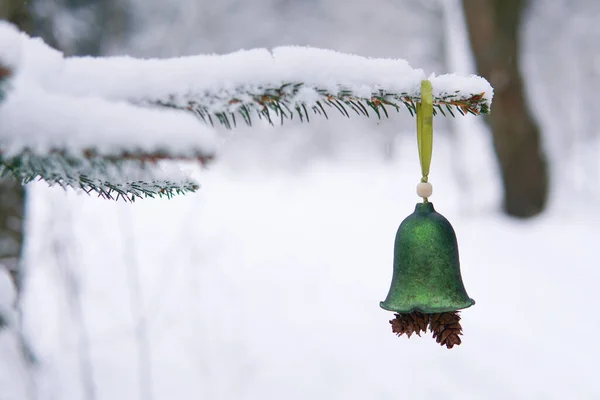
426	274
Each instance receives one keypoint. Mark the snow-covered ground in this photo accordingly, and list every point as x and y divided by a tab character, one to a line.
266	285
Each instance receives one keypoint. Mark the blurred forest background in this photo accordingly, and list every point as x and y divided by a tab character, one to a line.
247	289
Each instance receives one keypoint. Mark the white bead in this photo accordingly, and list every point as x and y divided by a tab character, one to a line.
424	189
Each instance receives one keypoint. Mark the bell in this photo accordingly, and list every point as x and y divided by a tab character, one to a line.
426	274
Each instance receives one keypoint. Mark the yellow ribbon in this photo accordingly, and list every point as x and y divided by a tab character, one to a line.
425	128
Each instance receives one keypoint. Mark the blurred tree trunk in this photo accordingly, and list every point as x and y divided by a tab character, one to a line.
12	206
493	27
12	193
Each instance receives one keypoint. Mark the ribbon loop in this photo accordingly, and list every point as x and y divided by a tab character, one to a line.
425	128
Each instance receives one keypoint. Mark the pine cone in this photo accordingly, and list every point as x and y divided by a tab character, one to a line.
415	322
446	328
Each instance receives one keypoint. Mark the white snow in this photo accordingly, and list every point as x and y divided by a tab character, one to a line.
10	45
267	285
447	84
38	119
14	376
206	78
13	372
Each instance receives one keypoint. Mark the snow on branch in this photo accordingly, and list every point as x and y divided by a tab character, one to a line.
276	84
125	179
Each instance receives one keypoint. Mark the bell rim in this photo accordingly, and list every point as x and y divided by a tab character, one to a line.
427	309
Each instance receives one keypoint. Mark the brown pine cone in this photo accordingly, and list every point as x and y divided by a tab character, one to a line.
414	322
446	328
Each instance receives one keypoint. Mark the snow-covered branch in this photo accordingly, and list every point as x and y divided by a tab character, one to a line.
283	81
79	111
82	141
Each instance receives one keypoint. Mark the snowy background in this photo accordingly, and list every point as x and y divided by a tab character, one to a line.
266	283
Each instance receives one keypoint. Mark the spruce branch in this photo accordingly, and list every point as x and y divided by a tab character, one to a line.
297	99
126	177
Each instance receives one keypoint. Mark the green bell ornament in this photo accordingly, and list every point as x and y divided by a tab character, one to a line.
427	288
